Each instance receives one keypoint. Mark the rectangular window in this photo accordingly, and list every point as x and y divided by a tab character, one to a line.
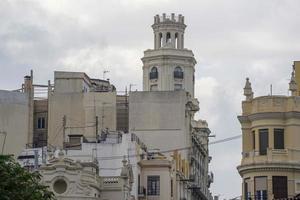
253	139
153	185
171	187
278	138
261	188
280	190
41	123
263	141
247	190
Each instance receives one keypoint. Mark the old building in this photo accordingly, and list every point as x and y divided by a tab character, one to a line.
162	115
79	105
89	120
270	166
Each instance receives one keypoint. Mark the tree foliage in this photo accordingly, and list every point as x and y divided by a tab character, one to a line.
18	184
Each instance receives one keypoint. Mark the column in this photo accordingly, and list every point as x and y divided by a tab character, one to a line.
173	39
164	37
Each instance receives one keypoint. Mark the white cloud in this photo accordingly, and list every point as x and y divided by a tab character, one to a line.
231	40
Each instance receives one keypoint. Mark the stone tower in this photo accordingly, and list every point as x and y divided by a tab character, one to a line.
169	66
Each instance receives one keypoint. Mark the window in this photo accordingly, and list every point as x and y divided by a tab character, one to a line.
263	141
153	73
177	87
261	188
247	189
279	187
153	185
172	192
278	138
253	139
41	123
60	186
178	73
168	38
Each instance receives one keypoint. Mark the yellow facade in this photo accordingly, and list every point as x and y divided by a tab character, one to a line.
270	165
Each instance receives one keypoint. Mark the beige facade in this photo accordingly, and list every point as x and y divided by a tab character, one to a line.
155	117
270	165
40	123
78	106
14	121
156	179
162	116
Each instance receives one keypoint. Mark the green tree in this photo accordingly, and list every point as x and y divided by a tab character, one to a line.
16	183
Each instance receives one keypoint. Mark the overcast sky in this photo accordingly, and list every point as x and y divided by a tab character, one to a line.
231	40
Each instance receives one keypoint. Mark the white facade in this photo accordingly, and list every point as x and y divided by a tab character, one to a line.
110	153
169	66
69	179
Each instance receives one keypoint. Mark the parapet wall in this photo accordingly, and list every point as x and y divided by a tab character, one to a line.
271	104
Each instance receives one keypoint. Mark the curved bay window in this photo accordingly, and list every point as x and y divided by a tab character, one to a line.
153	73
178	73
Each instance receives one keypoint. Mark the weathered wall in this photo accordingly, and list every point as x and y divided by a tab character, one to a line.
158	118
80	110
14	112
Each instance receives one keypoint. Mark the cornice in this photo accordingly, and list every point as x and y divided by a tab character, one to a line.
263	167
269	115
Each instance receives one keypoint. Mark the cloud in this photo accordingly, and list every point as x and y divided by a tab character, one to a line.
231	40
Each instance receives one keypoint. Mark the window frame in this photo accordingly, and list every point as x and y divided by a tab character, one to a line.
263	149
279	140
41	123
178	73
153	185
153	74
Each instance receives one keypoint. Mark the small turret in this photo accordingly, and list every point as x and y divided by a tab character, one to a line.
248	90
169	31
293	84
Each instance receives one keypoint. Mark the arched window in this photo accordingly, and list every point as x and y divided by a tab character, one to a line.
168	38
153	73
176	40
178	73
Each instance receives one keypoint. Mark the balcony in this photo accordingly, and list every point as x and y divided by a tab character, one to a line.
178	75
272	156
153	75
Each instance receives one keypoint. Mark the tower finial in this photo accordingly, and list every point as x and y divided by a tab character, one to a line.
248	90
293	84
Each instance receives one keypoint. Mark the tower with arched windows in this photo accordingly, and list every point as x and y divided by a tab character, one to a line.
169	66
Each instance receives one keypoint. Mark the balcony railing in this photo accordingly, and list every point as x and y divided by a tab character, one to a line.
153	75
273	155
178	75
